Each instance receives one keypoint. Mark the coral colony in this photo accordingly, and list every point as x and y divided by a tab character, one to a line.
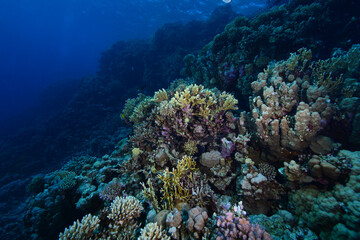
197	167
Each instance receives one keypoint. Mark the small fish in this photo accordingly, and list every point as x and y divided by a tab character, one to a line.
226	1
125	119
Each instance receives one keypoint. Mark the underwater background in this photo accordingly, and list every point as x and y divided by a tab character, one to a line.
180	119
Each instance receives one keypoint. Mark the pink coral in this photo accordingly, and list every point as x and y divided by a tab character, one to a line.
231	227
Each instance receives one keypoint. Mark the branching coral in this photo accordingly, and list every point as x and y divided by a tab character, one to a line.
149	194
67	180
130	105
123	210
190	147
122	217
184	117
141	110
330	73
160	96
173	185
119	224
81	230
153	232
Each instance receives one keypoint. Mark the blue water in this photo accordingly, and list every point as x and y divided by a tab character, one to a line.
46	41
46	48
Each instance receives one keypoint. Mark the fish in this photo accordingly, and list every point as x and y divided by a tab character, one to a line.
122	116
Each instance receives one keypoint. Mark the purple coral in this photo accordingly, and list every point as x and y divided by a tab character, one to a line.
231	227
111	190
229	75
227	148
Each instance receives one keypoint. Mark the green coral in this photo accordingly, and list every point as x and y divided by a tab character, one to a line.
141	111
334	212
130	105
67	180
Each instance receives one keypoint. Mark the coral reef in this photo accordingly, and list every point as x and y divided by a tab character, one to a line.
246	46
334	212
188	196
197	167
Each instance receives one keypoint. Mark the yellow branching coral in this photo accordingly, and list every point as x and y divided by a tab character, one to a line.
149	194
322	72
185	164
228	102
166	109
153	232
160	96
173	188
190	96
81	230
136	152
141	110
203	102
123	210
301	58
130	105
190	147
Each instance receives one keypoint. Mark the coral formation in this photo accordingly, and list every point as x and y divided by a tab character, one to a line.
123	210
335	212
81	229
153	232
284	119
232	227
197	167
